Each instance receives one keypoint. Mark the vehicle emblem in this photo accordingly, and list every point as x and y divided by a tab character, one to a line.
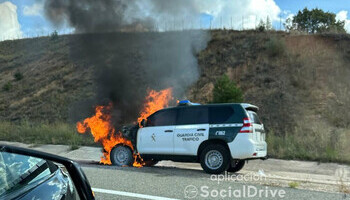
220	132
153	137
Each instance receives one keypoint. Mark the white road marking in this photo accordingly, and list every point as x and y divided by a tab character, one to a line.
130	194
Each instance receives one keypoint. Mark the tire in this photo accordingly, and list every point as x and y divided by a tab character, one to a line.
150	163
215	159
236	165
121	156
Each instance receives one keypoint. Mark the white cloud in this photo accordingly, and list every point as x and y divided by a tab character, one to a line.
290	16
287	14
9	25
35	9
226	13
246	14
343	16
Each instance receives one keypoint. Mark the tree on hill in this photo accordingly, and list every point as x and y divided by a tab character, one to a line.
264	26
226	91
268	25
261	26
315	21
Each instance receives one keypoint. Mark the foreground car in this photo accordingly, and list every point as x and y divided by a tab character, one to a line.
29	174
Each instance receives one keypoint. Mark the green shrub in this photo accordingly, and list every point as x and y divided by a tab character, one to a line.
293	184
226	91
7	87
275	47
18	76
261	26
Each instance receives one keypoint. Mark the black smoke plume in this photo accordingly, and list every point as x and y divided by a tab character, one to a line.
115	15
128	63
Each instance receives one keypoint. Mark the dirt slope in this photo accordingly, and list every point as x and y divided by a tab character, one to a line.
301	82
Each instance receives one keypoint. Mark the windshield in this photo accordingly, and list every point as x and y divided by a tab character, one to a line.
18	171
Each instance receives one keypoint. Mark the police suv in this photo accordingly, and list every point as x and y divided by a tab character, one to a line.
218	136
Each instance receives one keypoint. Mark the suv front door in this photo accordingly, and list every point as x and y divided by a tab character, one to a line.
157	136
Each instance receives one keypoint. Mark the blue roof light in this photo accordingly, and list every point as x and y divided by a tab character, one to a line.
187	103
184	102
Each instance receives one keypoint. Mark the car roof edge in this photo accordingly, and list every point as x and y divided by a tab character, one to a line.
251	107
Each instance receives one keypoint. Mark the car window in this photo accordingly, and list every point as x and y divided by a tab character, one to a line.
162	118
220	114
192	115
254	117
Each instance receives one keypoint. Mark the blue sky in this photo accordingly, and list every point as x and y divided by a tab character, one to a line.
31	24
35	24
326	5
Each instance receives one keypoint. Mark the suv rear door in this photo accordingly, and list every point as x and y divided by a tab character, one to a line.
157	136
192	128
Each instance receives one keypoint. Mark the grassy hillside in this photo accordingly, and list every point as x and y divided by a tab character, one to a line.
50	81
300	82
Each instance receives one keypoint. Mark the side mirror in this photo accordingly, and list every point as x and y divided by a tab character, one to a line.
143	123
21	167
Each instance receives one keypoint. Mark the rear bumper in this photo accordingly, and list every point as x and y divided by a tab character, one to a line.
259	158
244	148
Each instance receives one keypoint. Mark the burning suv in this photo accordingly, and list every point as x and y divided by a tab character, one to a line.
221	137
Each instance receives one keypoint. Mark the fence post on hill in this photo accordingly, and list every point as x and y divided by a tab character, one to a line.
242	23
221	23
280	22
200	23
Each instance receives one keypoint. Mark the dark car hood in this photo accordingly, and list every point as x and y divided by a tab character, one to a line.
57	186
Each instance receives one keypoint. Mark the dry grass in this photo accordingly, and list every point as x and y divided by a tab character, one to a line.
317	143
317	76
43	133
344	186
293	184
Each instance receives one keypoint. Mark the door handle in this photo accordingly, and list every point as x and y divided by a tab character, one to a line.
168	131
201	129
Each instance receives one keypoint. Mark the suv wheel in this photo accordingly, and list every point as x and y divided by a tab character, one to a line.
236	165
215	159
121	156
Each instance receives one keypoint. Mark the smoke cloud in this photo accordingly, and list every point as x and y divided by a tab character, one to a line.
127	65
9	25
111	15
116	15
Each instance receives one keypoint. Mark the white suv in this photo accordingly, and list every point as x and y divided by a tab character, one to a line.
219	136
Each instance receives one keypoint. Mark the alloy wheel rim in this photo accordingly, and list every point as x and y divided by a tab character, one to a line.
214	159
121	156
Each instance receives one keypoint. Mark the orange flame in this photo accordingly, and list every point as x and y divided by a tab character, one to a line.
102	130
99	124
155	101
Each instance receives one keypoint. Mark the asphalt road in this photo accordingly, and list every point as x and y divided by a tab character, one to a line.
109	182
